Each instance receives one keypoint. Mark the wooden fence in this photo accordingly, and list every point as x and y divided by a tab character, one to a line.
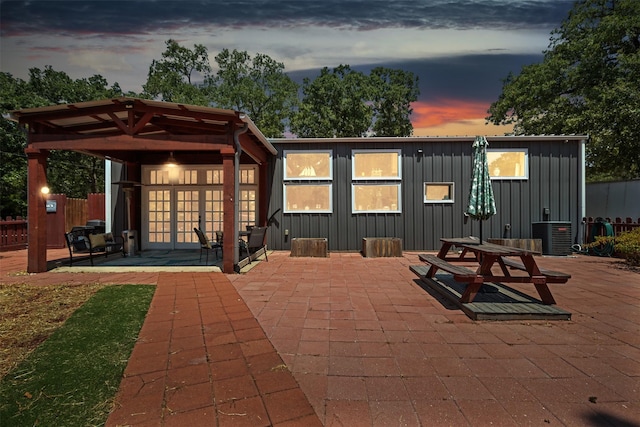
72	212
75	213
618	226
13	234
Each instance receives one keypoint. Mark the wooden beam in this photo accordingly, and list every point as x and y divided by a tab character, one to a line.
120	124
252	149
36	214
229	213
68	113
200	115
128	143
142	122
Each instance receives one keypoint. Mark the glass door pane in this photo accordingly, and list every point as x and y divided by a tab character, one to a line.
247	208
213	211
159	206
187	212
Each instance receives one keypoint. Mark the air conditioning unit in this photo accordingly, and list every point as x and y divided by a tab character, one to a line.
555	235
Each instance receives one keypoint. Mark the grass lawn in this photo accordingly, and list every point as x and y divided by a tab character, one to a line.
30	313
72	377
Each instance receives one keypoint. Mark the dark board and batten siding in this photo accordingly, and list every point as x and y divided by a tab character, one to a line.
554	182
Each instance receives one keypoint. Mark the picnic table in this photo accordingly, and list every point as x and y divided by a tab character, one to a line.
487	255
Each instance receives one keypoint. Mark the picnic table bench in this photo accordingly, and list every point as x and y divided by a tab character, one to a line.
552	276
460	273
487	255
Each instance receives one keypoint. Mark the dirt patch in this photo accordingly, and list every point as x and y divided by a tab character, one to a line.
29	314
627	267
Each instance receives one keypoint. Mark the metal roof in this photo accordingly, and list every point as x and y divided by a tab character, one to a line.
430	139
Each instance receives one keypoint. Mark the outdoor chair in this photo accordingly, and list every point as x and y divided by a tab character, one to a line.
206	245
256	241
78	242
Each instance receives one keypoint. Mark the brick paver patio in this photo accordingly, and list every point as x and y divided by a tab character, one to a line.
353	341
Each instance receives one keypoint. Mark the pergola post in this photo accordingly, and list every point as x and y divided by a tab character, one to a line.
229	214
37	213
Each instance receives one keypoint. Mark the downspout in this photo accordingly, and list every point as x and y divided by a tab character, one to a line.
108	219
583	190
236	192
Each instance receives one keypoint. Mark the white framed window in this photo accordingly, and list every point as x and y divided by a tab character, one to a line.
508	163
307	186
376	165
307	198
438	192
308	165
371	173
375	198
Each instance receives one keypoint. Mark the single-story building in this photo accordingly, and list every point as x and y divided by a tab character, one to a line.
416	188
224	175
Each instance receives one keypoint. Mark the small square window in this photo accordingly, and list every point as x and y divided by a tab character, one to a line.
438	192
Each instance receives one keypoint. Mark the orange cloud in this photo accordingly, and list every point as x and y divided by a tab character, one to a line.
453	117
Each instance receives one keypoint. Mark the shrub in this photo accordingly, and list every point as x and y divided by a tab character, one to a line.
625	245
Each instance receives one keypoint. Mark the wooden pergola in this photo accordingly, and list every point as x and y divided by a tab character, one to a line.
133	132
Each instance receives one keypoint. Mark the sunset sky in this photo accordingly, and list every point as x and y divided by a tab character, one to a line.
461	50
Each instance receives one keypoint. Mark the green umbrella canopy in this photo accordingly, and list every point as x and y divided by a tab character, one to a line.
482	204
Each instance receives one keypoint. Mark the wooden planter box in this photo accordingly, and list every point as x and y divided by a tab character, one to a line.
309	247
381	247
533	245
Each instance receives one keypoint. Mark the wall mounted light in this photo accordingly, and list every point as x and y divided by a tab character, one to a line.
44	190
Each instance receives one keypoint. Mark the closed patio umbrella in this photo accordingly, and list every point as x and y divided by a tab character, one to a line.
482	204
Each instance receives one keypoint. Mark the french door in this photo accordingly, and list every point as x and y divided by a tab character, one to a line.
170	212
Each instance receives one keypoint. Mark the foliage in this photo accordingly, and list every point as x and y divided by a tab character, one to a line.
625	245
13	171
74	375
586	84
346	103
257	86
173	77
334	105
46	87
393	93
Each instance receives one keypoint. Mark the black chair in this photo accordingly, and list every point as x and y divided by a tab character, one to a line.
256	241
80	242
206	245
